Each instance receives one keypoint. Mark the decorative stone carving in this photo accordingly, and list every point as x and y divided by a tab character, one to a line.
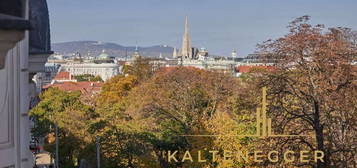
12	30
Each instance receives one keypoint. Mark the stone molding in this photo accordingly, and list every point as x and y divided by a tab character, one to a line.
37	62
8	39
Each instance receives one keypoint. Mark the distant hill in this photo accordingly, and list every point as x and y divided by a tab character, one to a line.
94	48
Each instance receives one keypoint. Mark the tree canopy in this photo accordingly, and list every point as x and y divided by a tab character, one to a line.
148	111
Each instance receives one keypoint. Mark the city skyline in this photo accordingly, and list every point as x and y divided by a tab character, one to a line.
219	27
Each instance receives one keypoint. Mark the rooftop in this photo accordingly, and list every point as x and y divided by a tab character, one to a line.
83	87
63	76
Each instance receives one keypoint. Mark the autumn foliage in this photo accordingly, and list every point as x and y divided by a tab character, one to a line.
312	91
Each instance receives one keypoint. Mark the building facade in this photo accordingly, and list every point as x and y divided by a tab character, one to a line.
24	48
104	70
46	77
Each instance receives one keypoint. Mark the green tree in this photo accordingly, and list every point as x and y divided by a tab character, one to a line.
178	101
88	77
73	119
141	68
140	119
122	143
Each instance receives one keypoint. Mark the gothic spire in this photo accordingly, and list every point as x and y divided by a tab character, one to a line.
186	50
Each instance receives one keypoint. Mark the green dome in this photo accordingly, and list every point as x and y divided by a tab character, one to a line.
103	55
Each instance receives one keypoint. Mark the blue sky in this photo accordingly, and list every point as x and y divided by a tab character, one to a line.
218	25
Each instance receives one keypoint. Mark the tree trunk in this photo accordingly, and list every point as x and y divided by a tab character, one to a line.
319	136
162	160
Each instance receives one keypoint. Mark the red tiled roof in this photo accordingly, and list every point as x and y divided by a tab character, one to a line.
63	76
247	68
84	87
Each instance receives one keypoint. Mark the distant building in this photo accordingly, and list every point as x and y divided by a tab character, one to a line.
89	90
84	87
104	70
103	66
103	55
63	77
46	77
56	56
186	50
258	58
102	58
221	65
202	54
200	58
136	53
234	54
174	54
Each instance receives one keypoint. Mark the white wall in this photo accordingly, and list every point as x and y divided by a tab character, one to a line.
14	107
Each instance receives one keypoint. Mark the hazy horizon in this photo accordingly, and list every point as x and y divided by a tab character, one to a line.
219	26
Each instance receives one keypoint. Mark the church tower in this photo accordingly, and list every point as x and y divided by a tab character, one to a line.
174	54
186	50
136	53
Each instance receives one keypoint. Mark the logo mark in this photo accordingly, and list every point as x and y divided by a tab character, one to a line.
263	124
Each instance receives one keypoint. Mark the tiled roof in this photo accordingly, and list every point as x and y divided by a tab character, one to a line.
84	87
63	76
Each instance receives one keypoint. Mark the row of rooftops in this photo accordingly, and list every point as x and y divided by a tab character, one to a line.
66	82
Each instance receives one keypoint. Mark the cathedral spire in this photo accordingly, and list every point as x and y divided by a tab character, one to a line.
186	25
186	50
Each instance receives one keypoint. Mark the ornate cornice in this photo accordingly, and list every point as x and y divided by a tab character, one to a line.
37	61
